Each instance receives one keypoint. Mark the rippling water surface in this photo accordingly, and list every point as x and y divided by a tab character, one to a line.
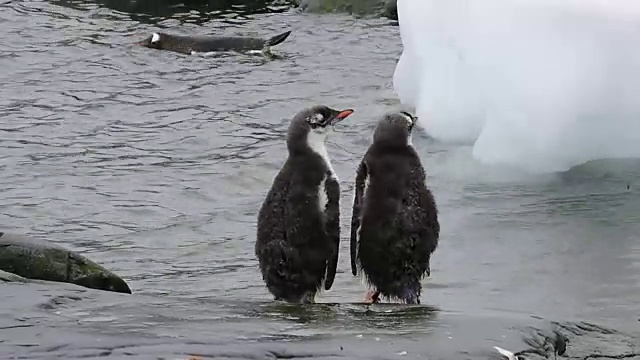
155	165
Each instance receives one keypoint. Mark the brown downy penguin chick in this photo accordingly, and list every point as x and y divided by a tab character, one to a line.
394	226
203	44
298	233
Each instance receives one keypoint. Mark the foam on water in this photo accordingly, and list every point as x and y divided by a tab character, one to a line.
540	84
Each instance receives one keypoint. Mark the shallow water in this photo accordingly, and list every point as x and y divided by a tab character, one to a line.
155	164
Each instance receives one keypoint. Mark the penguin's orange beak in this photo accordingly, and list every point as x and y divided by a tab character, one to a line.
340	115
344	114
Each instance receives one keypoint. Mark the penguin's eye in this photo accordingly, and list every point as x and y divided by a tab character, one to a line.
410	117
316	120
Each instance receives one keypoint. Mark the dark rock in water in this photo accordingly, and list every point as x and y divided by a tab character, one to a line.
391	10
32	258
545	344
559	342
386	8
184	11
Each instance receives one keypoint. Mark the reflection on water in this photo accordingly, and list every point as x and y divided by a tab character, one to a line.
382	317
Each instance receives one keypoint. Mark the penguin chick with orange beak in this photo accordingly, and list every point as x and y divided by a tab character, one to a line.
298	235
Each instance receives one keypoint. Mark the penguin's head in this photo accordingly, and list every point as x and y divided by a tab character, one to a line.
394	129
153	41
310	127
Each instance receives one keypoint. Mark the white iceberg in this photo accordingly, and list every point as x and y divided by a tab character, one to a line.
542	85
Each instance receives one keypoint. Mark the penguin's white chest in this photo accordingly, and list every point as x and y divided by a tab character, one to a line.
316	143
323	199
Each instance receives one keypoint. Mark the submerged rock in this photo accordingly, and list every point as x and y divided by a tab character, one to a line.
32	258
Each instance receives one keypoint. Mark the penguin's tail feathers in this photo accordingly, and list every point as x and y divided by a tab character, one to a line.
278	39
409	290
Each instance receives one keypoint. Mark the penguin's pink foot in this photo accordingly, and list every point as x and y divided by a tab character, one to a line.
371	297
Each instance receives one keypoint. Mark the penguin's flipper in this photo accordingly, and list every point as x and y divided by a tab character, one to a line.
361	176
332	212
278	39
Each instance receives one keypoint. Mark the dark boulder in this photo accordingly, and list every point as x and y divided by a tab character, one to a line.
37	259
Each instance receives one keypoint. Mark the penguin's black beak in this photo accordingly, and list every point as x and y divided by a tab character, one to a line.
340	115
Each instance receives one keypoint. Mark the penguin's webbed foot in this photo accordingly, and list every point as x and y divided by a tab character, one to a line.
372	297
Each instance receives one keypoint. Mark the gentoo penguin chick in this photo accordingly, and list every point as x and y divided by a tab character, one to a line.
202	44
299	221
394	226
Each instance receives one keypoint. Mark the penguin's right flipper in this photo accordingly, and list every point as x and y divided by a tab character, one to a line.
361	176
278	39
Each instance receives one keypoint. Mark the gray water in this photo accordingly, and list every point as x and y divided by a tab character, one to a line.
155	165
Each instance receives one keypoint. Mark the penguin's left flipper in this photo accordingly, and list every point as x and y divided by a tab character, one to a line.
332	212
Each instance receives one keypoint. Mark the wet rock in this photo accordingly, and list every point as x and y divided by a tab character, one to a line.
391	9
185	11
386	8
31	258
9	277
580	340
